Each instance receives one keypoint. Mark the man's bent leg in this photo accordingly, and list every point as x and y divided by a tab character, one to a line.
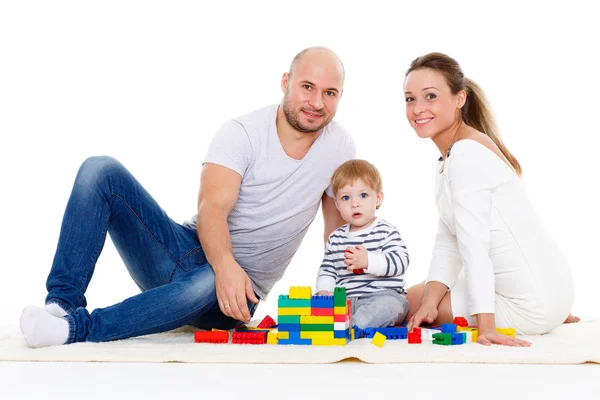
106	197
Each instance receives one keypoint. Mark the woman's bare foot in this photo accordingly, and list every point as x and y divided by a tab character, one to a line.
571	319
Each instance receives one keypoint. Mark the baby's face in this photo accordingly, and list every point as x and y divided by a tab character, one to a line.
357	203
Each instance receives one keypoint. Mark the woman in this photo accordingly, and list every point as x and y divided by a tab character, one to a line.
514	276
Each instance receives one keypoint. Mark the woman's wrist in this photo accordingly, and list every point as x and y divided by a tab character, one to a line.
486	323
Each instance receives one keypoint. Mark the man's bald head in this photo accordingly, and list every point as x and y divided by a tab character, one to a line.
318	55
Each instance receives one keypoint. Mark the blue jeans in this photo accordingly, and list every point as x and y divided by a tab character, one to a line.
164	258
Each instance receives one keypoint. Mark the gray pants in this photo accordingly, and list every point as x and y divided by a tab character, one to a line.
379	310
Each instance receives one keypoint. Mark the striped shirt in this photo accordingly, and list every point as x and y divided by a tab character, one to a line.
387	262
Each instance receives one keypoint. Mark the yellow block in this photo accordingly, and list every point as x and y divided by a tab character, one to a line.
352	333
272	337
507	331
293	311
307	319
218	330
329	342
300	292
340	310
378	339
283	335
474	332
316	335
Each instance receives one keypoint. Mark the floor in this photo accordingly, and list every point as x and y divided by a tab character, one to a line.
148	381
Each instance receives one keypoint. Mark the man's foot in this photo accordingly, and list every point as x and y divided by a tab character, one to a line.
40	328
571	319
55	310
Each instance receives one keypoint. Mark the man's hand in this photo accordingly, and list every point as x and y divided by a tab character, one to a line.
233	287
356	257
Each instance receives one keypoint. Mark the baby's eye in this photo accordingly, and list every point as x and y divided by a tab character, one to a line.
345	198
364	195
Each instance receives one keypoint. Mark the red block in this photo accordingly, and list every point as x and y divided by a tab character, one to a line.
460	321
340	318
321	312
211	337
267	322
249	337
414	337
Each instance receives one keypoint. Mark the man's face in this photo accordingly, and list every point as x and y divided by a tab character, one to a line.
311	94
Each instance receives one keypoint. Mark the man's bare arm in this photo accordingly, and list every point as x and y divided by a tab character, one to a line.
331	216
219	190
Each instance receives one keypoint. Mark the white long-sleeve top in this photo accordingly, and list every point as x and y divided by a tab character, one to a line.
488	227
387	260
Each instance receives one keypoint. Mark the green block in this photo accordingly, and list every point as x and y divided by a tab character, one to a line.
288	319
285	302
445	339
317	327
339	297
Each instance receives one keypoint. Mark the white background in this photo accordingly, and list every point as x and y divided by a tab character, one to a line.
150	82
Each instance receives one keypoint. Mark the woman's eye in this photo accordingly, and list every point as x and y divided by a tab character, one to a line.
431	96
410	99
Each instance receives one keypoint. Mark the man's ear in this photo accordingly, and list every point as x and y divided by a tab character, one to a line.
379	200
285	80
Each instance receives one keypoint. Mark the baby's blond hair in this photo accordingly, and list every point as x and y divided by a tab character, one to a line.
351	170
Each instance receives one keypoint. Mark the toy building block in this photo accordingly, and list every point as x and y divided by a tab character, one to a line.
414	338
458	337
272	337
474	332
448	328
249	337
288	319
267	322
219	330
444	339
341	318
211	337
349	310
507	331
460	321
316	327
329	342
316	335
283	335
322	312
314	319
378	339
321	302
293	311
300	292
427	333
468	336
393	333
305	342
288	327
339	297
352	334
286	302
341	334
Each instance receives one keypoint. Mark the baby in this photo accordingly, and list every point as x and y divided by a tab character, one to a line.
367	255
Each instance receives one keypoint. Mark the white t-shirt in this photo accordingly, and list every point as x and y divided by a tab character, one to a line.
279	196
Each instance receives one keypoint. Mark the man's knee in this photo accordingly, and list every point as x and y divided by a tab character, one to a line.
95	170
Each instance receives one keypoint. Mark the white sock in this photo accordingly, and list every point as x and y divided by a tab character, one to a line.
55	310
40	328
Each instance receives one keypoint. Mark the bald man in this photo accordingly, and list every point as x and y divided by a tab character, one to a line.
263	178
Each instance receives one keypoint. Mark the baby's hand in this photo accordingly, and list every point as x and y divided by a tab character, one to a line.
324	293
356	258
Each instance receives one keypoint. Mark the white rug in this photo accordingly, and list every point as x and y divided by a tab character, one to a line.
568	344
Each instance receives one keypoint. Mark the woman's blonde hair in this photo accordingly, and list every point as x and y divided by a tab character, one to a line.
351	170
476	112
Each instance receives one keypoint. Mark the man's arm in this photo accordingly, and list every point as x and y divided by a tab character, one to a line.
331	216
219	189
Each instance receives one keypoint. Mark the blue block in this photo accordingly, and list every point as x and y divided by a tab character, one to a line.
459	337
393	333
368	333
341	334
321	302
289	327
306	342
448	328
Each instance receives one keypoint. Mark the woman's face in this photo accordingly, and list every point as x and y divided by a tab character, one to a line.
431	108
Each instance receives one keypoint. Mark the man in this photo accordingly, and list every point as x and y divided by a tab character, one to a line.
262	181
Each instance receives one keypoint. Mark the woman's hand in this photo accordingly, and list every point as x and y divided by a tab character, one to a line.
489	338
426	313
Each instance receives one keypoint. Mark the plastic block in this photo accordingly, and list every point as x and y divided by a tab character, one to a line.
378	339
300	292
444	339
288	319
341	334
285	302
393	333
293	311
448	328
322	312
329	342
272	337
460	321
309	319
414	338
305	342
507	331
249	337
316	327
211	337
321	302
339	297
267	322
316	335
288	327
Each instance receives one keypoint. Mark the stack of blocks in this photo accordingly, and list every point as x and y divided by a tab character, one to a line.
304	319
